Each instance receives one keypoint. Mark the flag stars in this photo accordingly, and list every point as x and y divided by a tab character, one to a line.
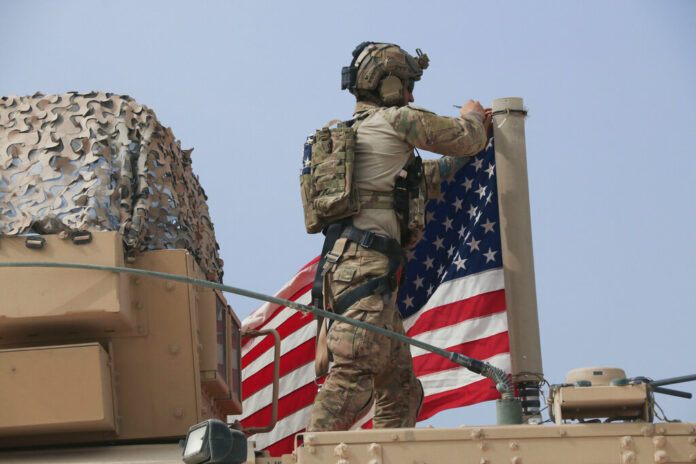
490	256
411	254
478	164
460	263
481	191
428	263
468	183
440	270
462	231
457	204
451	251
307	162
490	170
408	302
488	226
429	216
430	289
418	282
489	197
473	245
438	243
472	211
448	224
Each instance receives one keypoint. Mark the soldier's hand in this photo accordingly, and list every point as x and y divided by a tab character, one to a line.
472	107
487	119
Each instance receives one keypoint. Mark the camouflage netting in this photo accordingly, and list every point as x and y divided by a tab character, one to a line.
96	162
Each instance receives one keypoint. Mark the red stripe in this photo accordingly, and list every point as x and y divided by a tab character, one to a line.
291	324
284	446
453	313
482	348
290	361
483	390
292	402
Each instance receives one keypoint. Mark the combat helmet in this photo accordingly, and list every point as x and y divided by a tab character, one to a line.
381	70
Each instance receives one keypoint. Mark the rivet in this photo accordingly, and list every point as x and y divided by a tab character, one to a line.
628	457
141	329
661	430
343	461
204	410
514	445
394	437
476	433
341	450
169	285
174	349
309	439
692	440
311	450
692	457
138	305
136	280
373	461
374	449
482	446
13	369
626	442
661	457
516	460
692	429
483	461
647	430
178	412
659	441
562	432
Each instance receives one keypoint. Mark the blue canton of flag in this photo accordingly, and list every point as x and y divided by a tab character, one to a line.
462	234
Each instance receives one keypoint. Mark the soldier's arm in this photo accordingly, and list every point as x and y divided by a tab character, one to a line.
457	138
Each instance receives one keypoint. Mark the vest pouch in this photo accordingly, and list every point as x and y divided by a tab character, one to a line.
333	159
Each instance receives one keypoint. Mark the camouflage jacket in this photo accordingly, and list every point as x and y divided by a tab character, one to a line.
385	143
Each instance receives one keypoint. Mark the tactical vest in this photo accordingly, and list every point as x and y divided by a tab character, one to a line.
328	189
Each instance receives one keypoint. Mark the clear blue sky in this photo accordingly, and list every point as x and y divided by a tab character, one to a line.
610	137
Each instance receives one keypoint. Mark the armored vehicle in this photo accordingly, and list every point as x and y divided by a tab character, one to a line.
117	344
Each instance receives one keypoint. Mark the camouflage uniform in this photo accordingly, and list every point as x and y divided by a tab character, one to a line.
367	366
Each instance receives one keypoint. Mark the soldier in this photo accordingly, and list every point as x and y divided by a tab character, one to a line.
363	256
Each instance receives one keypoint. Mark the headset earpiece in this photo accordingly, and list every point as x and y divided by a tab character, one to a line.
391	91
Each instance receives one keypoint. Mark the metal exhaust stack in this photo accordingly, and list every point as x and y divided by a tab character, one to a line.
518	260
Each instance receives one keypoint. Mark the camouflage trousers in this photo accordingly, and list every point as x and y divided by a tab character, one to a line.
367	366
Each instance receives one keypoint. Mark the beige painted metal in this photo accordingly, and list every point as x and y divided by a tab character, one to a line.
628	401
48	303
626	443
596	375
53	389
516	236
133	454
158	392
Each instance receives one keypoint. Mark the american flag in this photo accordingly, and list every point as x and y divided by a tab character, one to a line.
453	298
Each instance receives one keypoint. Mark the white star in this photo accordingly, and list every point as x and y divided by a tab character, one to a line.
307	163
429	216
410	254
488	226
430	289
490	256
478	216
478	164
457	204
428	263
462	231
418	282
447	224
490	143
473	245
468	183
460	263
438	243
451	251
472	211
481	191
490	170
489	197
408	302
440	270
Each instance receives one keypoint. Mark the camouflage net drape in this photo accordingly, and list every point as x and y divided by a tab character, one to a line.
100	161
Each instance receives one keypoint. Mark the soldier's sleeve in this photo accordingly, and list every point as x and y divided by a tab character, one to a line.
458	138
440	134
